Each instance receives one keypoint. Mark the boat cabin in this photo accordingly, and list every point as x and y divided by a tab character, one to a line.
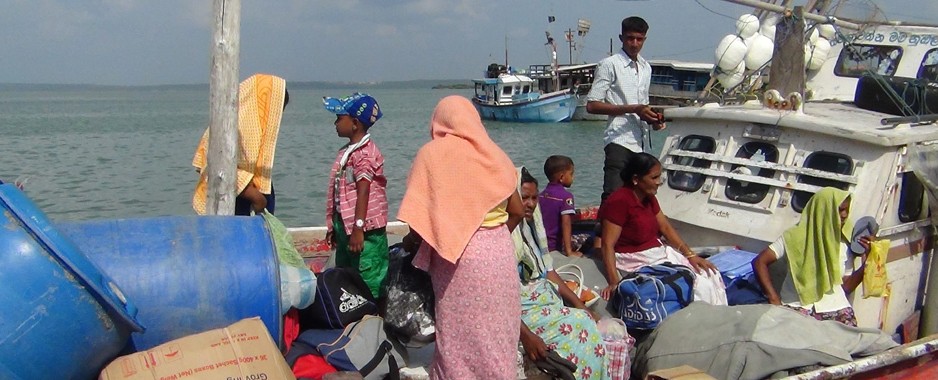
908	51
677	83
505	89
575	78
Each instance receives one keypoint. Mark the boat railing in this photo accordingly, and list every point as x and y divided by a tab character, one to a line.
742	176
886	364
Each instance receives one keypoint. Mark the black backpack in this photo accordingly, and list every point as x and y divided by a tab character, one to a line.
342	297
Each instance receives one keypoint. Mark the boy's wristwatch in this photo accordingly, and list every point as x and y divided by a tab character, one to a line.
359	223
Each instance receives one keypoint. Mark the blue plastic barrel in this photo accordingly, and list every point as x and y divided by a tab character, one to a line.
187	274
61	317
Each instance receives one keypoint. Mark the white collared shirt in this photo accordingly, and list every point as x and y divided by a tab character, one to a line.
620	80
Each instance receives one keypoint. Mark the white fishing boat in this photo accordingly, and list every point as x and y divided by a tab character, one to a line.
739	175
576	79
513	97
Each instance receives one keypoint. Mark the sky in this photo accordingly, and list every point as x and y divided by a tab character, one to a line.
158	42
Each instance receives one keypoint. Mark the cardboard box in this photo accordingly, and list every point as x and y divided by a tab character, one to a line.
242	351
684	372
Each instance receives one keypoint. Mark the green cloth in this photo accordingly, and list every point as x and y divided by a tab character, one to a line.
372	262
813	245
283	242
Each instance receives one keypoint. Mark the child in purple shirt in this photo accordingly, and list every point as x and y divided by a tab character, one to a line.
557	207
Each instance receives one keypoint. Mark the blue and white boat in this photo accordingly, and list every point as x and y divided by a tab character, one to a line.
515	98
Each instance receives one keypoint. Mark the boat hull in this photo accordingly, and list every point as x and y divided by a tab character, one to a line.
546	109
582	115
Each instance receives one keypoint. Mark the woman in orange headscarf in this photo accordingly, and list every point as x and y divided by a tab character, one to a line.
461	205
261	100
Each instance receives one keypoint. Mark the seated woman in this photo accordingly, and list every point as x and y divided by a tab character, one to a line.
546	323
632	222
819	275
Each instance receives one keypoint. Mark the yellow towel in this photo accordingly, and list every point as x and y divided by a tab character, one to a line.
260	108
874	275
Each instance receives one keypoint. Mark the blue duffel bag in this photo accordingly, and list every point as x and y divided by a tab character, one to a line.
647	296
742	286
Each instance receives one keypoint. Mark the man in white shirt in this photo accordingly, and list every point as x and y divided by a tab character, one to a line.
620	90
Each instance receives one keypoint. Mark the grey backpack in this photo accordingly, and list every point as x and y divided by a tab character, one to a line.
362	346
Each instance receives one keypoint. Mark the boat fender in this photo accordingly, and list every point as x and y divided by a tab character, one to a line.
772	99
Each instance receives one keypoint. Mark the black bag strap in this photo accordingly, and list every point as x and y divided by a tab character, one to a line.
298	349
383	350
670	280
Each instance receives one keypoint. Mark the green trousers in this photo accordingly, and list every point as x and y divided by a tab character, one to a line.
372	262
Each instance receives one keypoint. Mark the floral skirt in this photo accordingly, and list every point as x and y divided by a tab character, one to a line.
477	309
569	331
845	315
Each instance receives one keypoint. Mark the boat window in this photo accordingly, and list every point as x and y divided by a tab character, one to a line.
748	192
858	60
929	68
506	90
681	180
825	161
526	89
911	200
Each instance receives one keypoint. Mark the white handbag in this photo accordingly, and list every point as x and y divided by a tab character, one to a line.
574	272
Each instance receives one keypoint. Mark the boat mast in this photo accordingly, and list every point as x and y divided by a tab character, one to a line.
506	52
554	76
570	44
787	73
222	161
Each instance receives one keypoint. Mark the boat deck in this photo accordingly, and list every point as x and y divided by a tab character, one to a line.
831	118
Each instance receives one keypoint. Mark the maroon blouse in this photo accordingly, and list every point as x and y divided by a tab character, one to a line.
638	220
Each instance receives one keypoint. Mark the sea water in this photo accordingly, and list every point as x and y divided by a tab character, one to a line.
123	152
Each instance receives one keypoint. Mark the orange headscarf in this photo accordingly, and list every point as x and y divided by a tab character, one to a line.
456	178
260	108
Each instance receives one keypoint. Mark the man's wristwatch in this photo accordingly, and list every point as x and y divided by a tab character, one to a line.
359	223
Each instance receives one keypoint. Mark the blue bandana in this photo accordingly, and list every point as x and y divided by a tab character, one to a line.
360	106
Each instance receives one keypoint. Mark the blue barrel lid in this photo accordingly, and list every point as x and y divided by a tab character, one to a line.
98	283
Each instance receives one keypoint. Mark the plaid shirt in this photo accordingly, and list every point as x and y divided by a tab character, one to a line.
620	80
365	163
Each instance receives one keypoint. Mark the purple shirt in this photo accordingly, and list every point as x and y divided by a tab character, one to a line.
555	201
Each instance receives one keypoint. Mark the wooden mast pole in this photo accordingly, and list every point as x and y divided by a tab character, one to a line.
787	71
222	149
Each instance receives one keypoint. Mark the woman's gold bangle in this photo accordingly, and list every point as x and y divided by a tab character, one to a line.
690	255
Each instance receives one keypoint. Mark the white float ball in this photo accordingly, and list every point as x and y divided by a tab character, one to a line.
812	38
768	27
827	31
818	55
747	25
731	78
730	52
760	51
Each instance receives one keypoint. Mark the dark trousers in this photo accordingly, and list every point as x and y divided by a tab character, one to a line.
616	158
243	206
